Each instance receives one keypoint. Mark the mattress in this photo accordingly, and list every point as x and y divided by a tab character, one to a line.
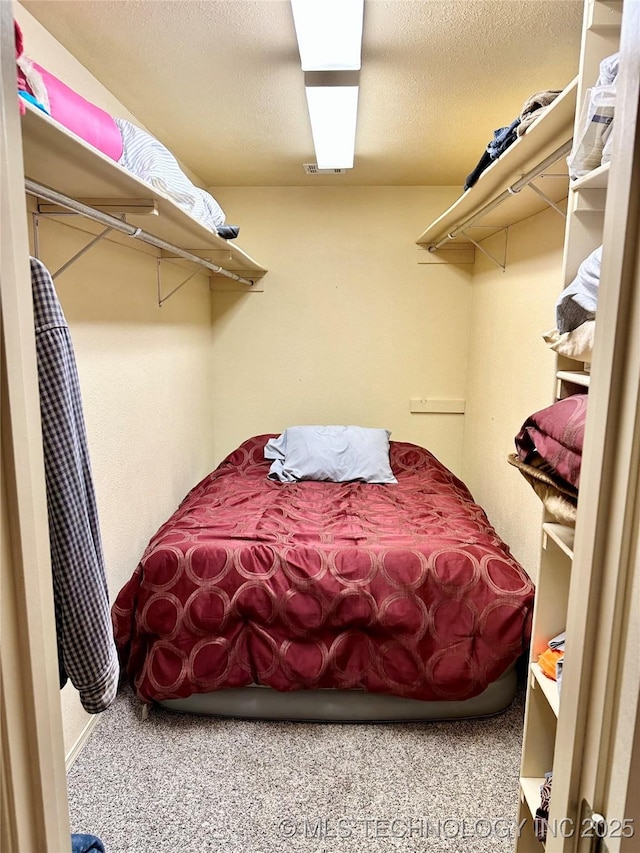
400	590
345	706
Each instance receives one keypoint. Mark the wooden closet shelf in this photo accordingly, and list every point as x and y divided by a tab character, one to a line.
596	179
530	787
548	686
562	535
575	377
605	16
548	133
58	159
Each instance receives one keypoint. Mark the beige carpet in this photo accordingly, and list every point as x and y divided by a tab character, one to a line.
177	783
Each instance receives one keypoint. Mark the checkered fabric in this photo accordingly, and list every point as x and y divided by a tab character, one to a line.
541	819
86	649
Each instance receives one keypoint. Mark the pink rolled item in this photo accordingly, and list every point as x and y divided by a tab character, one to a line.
80	116
22	83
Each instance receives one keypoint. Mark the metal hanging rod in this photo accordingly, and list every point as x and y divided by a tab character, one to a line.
40	191
522	182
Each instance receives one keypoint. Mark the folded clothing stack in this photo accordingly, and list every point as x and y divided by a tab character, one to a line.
552	659
504	137
578	302
549	454
592	145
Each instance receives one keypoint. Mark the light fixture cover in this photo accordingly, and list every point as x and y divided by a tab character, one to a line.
329	33
333	111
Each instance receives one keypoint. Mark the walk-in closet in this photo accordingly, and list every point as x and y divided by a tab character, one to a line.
320	466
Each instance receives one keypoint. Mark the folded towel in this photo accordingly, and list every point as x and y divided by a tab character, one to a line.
578	302
557	642
576	344
609	68
559	499
547	661
533	107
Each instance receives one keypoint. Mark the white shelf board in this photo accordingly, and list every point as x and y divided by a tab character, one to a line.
530	787
553	128
604	15
595	179
548	686
590	217
58	159
576	377
562	535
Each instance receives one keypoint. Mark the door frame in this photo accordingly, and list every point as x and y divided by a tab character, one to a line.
34	811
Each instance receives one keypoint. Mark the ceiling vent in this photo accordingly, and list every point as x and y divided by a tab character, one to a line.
312	169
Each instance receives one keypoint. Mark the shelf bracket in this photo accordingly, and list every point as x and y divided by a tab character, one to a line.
162	299
112	206
546	198
122	226
503	263
73	258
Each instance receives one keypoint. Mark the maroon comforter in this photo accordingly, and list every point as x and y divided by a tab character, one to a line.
553	438
403	589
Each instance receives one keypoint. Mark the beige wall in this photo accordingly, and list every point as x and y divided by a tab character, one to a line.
349	326
510	373
145	376
144	371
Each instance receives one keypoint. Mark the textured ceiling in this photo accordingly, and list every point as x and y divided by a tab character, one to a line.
219	81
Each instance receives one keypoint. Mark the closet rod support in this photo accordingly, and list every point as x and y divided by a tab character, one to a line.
162	299
42	192
546	198
503	264
73	258
36	235
82	251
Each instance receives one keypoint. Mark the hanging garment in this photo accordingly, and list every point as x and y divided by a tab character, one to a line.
86	649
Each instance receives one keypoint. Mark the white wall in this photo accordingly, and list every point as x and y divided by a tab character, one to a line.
511	372
349	326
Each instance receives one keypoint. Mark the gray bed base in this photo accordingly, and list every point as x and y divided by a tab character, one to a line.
347	706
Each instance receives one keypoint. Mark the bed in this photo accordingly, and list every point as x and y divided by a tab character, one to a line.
326	600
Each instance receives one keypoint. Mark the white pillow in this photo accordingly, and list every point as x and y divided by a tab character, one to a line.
337	453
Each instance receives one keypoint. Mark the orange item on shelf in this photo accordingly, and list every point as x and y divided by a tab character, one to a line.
547	661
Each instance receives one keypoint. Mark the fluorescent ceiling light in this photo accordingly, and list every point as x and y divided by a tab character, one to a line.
332	112
329	33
